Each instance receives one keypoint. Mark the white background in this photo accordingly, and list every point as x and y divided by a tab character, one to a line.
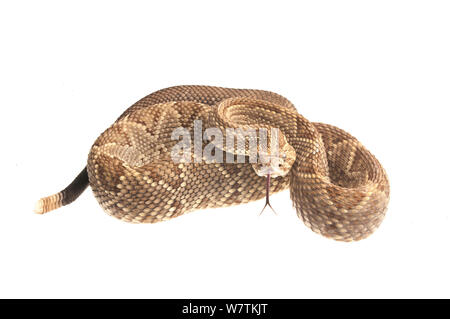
378	69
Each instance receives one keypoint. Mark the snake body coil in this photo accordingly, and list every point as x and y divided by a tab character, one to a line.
338	187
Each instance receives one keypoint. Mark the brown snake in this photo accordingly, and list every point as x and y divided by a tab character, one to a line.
338	188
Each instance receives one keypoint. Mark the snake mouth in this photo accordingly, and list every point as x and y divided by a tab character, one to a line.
275	168
274	164
272	170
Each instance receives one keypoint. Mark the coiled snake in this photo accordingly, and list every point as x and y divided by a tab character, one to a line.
337	186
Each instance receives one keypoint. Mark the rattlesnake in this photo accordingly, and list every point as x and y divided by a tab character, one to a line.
338	188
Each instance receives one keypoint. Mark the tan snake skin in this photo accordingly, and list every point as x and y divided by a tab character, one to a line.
338	187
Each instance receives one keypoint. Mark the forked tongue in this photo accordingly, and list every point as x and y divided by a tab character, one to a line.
267	196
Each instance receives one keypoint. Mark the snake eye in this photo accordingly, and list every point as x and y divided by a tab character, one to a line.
283	156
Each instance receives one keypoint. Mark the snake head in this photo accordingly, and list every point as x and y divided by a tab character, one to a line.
275	163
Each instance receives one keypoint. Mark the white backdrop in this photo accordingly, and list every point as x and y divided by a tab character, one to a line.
378	69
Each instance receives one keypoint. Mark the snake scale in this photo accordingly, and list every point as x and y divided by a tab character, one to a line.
338	188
